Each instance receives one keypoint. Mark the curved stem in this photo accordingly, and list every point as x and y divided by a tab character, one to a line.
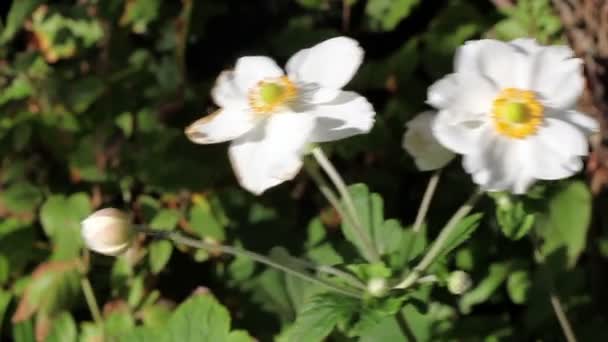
423	210
212	247
89	297
335	177
437	246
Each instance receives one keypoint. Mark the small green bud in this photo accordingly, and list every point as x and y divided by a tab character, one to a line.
459	282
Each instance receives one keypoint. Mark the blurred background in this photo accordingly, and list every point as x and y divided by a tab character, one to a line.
94	98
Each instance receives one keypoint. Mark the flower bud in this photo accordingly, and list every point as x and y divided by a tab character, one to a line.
377	287
107	231
459	282
422	145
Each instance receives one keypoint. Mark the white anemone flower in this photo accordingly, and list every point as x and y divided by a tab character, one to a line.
422	145
271	116
509	110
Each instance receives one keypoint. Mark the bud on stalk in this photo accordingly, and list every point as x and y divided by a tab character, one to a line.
107	231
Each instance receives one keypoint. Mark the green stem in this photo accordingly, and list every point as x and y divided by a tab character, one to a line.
437	246
562	318
89	296
423	210
338	182
333	199
405	327
212	247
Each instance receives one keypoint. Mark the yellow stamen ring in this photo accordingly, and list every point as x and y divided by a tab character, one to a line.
270	94
517	113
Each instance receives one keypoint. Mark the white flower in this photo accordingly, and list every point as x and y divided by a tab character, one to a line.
421	144
509	110
107	231
271	116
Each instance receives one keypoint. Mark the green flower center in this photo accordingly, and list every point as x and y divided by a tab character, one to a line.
515	112
271	92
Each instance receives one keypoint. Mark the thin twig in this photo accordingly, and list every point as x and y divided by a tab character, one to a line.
405	327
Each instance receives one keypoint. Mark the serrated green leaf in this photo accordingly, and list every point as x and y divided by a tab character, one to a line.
200	318
461	233
165	219
320	316
566	220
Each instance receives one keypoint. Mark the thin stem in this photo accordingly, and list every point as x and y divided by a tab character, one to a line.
426	201
89	296
212	247
437	246
335	177
405	327
351	279
333	199
562	318
423	210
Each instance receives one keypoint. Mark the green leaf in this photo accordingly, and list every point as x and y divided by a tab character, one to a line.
320	316
160	253
17	15
140	13
389	238
24	331
165	219
53	288
565	221
386	14
5	300
518	286
63	329
204	222
61	217
514	220
200	318
461	233
498	273
21	197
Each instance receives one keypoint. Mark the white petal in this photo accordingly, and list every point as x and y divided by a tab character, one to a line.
545	163
459	137
347	115
557	76
497	165
271	153
583	121
223	125
422	145
467	95
441	93
226	92
253	69
527	45
331	64
563	138
501	62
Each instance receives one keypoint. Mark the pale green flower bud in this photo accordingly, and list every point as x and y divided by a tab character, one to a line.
377	287
107	231
459	282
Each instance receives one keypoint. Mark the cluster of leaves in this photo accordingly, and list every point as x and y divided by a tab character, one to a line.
94	97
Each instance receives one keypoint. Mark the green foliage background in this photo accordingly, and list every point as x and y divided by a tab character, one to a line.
94	97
